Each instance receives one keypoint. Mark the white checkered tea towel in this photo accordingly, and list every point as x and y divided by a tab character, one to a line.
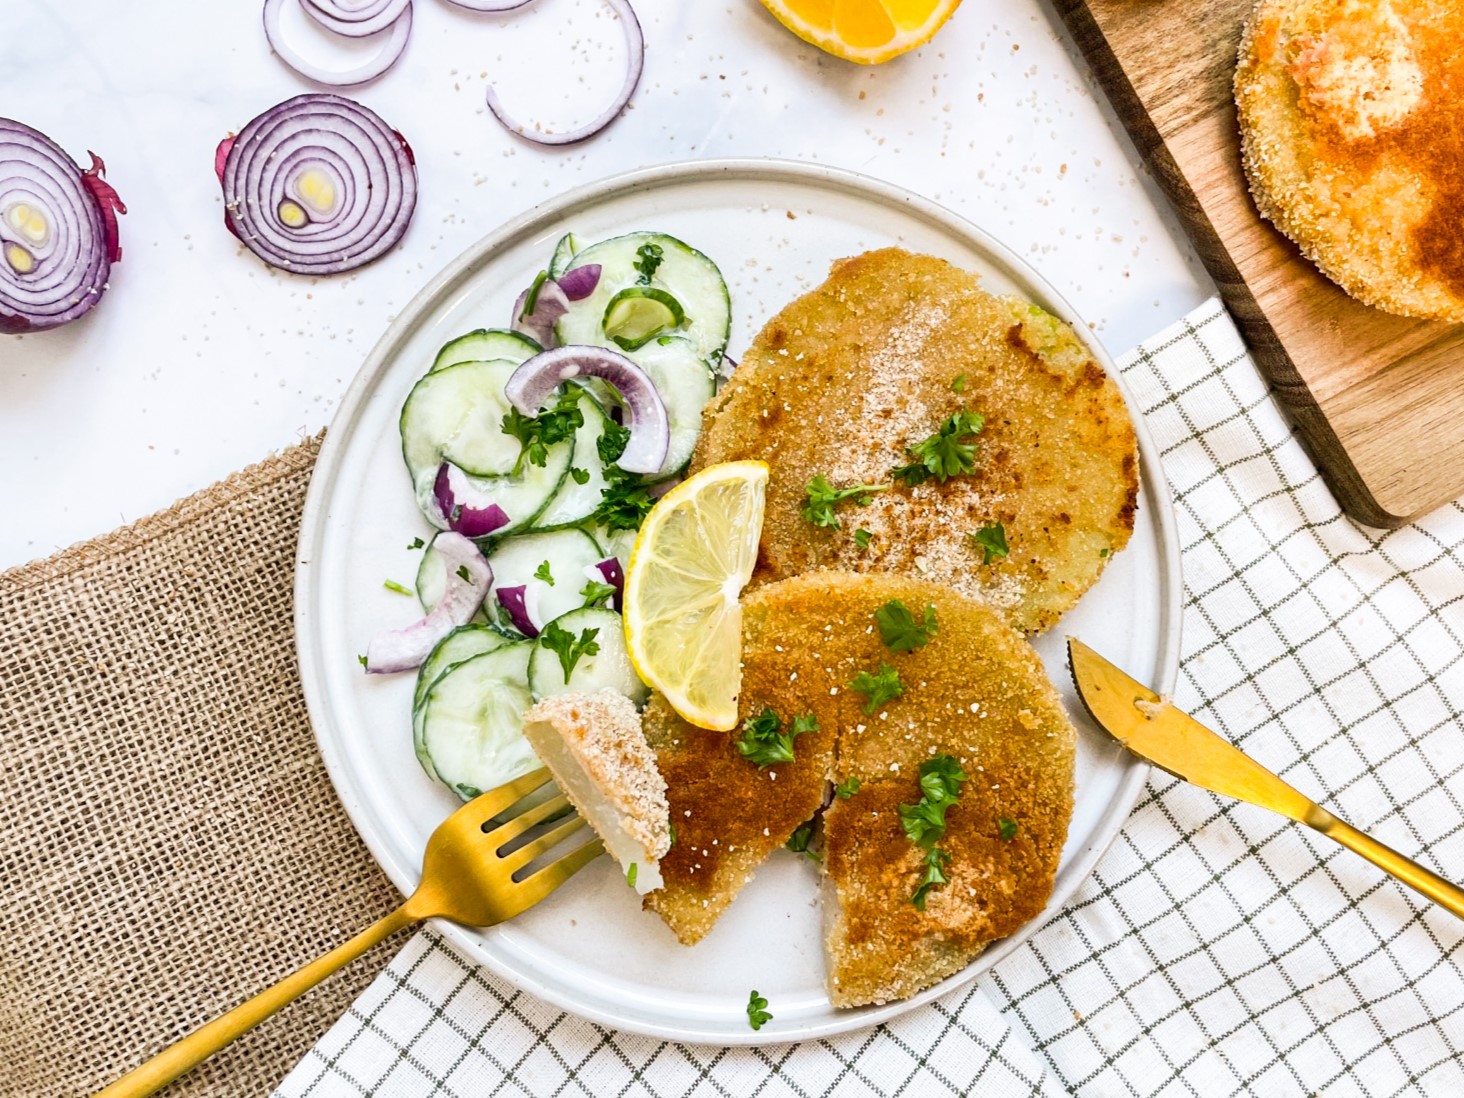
1218	950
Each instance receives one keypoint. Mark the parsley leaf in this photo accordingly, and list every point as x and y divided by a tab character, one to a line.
625	502
596	593
536	434
799	840
900	630
563	644
1007	829
757	1010
630	874
991	540
393	585
578	475
649	258
765	743
846	788
417	543
671	824
959	384
944	454
1104	551
878	688
542	573
612	442
935	866
862	538
823	497
362	659
940	785
463	573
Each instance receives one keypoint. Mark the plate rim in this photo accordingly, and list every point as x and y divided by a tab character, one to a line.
542	215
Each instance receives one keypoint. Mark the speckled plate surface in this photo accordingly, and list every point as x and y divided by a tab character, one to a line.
773	227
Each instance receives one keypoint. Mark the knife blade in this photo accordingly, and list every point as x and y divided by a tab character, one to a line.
1152	728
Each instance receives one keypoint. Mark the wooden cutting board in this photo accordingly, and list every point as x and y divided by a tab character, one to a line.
1379	399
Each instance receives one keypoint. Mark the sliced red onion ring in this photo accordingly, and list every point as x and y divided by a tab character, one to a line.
463	509
550	303
521	604
58	231
355	21
391	49
609	571
529	386
318	184
404	649
580	282
490	5
635	43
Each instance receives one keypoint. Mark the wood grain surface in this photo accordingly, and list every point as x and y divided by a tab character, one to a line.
1379	399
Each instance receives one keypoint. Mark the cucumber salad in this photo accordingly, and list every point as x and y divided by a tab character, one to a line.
535	451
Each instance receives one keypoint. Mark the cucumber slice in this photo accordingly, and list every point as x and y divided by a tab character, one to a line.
683	272
484	345
473	718
563	254
609	668
457	646
431	579
637	314
516	560
456	415
685	383
575	501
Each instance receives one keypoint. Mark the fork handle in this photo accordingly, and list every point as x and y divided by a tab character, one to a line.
1440	891
203	1042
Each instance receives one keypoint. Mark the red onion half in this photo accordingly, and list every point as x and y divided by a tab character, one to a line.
635	45
318	185
58	231
468	578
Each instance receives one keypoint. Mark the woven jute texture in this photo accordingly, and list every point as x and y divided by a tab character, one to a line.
169	840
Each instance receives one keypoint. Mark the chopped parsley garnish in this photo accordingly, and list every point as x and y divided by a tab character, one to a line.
578	475
878	688
900	630
757	1010
393	585
959	384
542	573
537	433
671	824
1007	829
596	593
463	573
1104	551
847	788
764	742
630	874
935	866
991	540
612	443
625	502
949	452
563	644
362	659
417	543
862	538
649	257
823	497
799	840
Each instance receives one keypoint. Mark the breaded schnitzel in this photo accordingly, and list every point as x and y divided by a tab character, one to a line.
975	691
1352	126
846	378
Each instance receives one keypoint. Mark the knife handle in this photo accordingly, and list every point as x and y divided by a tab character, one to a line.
1389	860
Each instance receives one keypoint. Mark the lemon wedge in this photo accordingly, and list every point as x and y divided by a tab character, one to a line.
864	31
683	621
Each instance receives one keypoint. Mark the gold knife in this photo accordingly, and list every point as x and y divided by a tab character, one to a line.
1174	741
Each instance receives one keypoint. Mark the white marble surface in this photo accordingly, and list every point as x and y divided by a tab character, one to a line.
201	360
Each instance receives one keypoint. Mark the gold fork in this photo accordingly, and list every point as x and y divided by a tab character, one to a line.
467	877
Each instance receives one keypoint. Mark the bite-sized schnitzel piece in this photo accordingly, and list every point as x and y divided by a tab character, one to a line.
1025	505
815	653
1352	127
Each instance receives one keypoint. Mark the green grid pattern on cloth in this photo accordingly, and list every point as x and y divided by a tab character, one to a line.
1218	950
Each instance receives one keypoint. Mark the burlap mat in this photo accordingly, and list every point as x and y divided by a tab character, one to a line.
169	841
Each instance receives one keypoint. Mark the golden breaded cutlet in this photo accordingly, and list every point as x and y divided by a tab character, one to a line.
1352	135
845	378
976	692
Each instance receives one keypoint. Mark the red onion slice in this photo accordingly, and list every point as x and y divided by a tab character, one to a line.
609	571
580	282
464	511
391	50
358	21
318	184
521	604
550	303
529	386
635	43
58	231
404	649
490	5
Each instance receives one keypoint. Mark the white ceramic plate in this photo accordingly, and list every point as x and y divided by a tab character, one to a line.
773	227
